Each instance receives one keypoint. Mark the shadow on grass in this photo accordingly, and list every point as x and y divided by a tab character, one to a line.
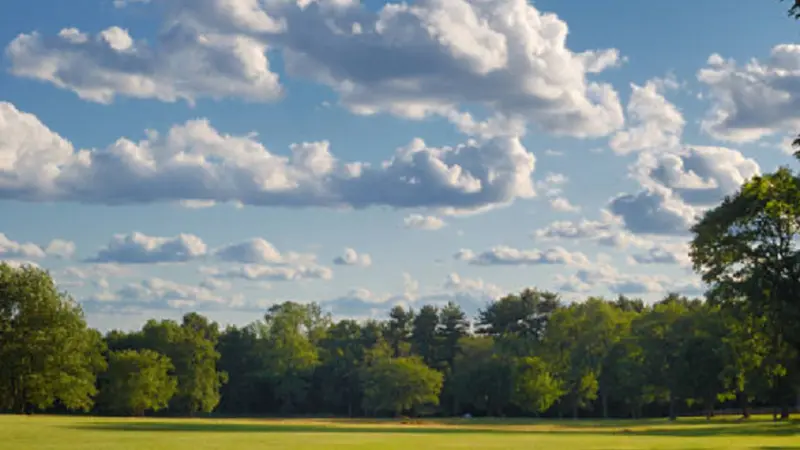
689	430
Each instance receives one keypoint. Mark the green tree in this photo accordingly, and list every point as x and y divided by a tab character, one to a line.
191	347
482	378
424	336
241	360
518	322
136	382
663	333
398	330
403	384
453	326
536	389
746	249
48	354
342	354
290	351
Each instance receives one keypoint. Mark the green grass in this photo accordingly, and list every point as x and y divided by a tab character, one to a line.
72	433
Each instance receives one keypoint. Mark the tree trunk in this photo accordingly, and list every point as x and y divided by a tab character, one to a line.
709	407
604	400
350	408
575	409
745	403
785	409
673	413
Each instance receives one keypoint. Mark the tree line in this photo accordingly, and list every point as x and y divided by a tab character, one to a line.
527	354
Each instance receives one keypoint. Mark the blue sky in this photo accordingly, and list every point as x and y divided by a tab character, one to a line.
162	156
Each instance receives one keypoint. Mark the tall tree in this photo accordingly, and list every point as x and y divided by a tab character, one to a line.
518	322
536	388
341	357
398	330
288	332
191	347
424	336
241	360
48	354
403	384
137	382
453	326
746	249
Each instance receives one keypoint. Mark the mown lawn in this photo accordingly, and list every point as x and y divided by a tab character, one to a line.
70	433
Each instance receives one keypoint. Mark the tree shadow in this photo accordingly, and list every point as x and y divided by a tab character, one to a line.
756	429
168	426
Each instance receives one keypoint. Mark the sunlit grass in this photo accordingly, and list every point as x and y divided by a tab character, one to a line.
52	432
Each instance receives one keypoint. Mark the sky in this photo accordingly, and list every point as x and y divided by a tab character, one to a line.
166	156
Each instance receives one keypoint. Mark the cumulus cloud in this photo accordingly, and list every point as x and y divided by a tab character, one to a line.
195	162
260	251
139	248
413	60
606	276
12	249
507	256
350	257
469	294
253	272
60	248
679	185
663	253
655	123
753	100
654	211
606	232
160	294
420	222
561	204
699	175
184	64
552	185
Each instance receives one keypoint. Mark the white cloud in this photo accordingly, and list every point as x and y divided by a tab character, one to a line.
13	249
350	257
608	233
679	185
699	175
260	251
507	256
158	294
655	123
552	186
184	64
606	276
196	162
754	100
60	248
563	205
253	272
676	253
413	60
420	222
655	210
139	248
469	294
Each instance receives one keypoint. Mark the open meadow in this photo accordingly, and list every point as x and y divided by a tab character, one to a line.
73	433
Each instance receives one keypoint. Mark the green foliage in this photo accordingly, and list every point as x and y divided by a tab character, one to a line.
137	382
47	353
400	384
535	388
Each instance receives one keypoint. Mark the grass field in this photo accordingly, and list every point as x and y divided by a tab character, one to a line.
71	433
